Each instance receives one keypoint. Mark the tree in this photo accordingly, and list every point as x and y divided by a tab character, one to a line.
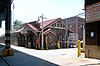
18	24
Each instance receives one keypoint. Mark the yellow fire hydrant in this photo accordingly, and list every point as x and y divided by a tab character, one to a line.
79	48
58	44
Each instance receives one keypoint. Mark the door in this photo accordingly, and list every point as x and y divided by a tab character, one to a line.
21	40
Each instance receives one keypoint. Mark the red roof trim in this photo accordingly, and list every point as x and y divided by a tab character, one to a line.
48	22
48	31
32	27
21	29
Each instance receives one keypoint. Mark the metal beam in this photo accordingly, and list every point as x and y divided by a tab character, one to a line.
8	23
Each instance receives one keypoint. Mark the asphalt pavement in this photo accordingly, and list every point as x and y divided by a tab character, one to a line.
55	57
22	59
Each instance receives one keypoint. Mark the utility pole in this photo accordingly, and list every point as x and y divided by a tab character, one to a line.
76	17
42	17
13	15
76	27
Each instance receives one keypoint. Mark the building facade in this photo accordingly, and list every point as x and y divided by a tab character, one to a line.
92	9
54	30
76	24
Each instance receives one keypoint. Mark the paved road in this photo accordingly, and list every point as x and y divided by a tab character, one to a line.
23	59
55	57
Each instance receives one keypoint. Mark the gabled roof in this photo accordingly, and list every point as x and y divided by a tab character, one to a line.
48	22
20	29
48	31
31	26
45	24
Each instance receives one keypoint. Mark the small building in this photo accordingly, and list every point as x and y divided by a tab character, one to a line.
54	30
92	48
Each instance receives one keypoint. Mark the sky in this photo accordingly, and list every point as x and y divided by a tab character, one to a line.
30	10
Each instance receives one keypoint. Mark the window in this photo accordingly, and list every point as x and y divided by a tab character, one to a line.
70	26
81	26
61	25
50	38
92	34
55	25
58	25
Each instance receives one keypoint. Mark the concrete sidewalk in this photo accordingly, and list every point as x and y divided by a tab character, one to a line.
56	57
62	57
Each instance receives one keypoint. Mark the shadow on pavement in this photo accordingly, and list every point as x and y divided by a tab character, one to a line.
22	59
98	64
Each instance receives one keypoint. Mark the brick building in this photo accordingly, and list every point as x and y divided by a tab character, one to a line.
72	22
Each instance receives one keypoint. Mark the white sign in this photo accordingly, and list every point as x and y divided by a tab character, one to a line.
92	34
72	39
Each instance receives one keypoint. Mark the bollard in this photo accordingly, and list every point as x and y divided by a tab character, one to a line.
58	44
79	48
7	52
46	43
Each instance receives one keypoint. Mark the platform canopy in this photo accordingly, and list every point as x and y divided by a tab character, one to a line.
89	2
2	9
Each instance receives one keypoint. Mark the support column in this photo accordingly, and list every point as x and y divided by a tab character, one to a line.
84	39
8	24
0	23
7	51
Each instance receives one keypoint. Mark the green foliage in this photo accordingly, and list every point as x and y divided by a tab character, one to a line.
18	24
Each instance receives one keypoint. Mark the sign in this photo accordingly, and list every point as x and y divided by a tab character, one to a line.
37	41
93	12
72	39
73	36
92	34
